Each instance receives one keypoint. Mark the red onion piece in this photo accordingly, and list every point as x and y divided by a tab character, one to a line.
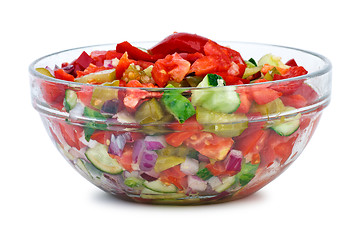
50	70
69	69
190	166
203	158
108	63
148	177
148	160
118	143
196	183
155	142
112	107
233	160
138	148
77	111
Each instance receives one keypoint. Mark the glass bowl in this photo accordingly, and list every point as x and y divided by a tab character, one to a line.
145	155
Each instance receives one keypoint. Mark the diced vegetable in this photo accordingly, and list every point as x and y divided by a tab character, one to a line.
222	124
224	100
118	143
98	77
70	99
148	160
99	157
204	174
166	162
234	160
133	182
177	104
159	186
227	182
149	112
155	142
247	173
286	126
190	166
197	184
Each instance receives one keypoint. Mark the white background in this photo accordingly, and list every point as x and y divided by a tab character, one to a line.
44	198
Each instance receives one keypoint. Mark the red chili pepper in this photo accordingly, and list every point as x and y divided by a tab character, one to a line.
180	43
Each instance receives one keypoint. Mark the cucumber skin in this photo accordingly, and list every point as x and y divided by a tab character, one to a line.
159	187
287	128
101	150
70	99
222	101
217	98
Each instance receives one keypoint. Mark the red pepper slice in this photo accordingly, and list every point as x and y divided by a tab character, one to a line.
180	43
122	65
135	53
61	74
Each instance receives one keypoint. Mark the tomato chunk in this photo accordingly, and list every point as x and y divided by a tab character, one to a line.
210	145
172	67
265	95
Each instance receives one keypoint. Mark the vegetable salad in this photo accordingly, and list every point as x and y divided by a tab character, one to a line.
175	121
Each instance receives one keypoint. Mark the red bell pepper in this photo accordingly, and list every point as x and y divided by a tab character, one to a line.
122	65
61	74
136	53
180	43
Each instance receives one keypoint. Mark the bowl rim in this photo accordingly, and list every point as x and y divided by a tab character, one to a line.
327	67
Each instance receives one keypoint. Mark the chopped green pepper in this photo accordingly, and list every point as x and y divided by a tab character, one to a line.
270	74
204	174
177	104
247	173
90	127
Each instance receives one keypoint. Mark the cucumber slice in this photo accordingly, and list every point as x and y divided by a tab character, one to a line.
287	126
225	100
133	182
70	99
88	169
250	71
99	157
227	182
149	194
159	187
271	60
